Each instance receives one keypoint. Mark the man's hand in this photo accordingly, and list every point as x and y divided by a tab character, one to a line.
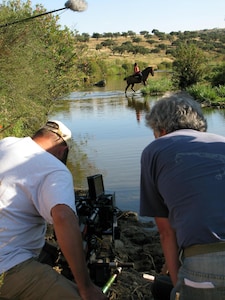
169	245
93	293
69	238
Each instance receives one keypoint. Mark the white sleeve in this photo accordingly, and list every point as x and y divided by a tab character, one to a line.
56	188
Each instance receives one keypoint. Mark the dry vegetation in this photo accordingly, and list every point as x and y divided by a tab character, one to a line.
158	47
152	58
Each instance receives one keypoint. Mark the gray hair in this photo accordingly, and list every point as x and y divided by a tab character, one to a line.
178	111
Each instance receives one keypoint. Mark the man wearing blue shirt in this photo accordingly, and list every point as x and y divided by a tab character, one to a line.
183	188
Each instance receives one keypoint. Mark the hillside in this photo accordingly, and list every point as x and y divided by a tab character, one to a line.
155	49
151	58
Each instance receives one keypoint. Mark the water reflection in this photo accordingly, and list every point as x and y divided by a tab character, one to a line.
110	133
139	104
216	120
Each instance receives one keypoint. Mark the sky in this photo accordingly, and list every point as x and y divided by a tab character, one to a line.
103	16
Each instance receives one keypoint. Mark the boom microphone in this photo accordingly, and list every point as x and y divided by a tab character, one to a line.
75	5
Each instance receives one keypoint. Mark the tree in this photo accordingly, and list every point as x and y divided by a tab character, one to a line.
155	31
116	34
108	34
37	59
96	35
131	33
124	34
108	43
98	46
136	40
188	66
144	32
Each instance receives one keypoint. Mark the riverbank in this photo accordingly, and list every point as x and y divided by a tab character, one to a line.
139	243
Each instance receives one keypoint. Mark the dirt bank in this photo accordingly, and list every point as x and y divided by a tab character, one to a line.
139	243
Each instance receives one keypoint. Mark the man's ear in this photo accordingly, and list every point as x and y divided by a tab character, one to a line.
65	155
162	132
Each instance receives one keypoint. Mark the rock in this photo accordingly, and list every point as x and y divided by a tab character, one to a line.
100	83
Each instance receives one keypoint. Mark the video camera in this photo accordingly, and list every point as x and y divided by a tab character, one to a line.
98	223
97	214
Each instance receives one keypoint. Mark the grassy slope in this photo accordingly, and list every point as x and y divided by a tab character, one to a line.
153	59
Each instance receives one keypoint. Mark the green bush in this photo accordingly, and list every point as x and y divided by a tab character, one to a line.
219	76
165	65
188	65
157	87
220	90
207	94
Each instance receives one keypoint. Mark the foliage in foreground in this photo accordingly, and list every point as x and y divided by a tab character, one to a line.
37	59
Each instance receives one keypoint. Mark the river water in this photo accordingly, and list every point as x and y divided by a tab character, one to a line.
111	133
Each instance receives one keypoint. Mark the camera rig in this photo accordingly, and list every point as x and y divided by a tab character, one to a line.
98	223
97	214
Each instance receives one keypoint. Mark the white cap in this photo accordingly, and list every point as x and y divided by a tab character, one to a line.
60	129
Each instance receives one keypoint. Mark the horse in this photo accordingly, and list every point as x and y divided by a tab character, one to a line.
132	79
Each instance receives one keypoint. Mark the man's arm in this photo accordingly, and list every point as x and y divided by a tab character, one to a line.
169	245
69	238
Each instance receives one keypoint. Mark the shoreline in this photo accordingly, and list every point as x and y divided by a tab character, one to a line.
139	243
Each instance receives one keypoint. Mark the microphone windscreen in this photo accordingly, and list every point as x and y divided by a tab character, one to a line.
76	5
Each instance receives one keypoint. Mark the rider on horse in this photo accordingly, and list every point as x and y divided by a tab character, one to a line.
137	71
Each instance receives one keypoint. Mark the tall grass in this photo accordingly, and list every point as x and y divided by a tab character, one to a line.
207	94
157	87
